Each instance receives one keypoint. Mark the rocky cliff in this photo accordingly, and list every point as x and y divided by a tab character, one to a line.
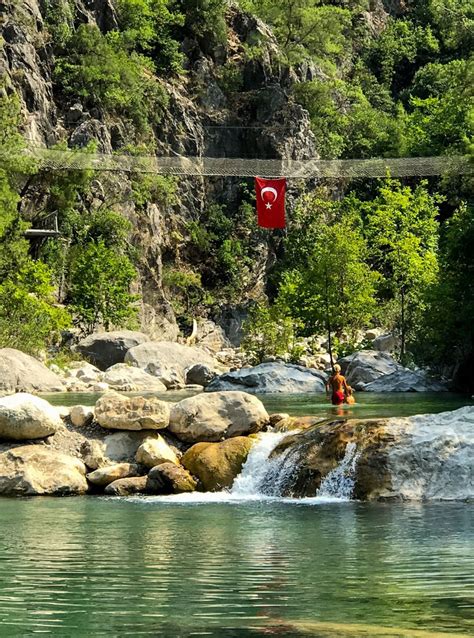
201	118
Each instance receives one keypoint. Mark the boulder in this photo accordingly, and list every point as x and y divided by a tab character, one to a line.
105	475
366	366
200	374
129	486
211	336
386	343
167	361
125	378
405	381
275	377
81	415
21	373
216	465
212	417
123	446
93	454
117	412
170	478
154	451
24	416
36	469
105	349
88	374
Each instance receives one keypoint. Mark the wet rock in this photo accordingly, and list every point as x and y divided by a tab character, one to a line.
125	378
154	451
35	469
103	476
129	486
167	361
211	417
216	465
24	416
105	349
273	377
117	412
21	373
170	478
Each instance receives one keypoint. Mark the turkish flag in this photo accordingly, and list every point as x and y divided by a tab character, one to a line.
270	202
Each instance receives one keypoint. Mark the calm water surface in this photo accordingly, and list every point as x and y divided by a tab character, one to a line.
150	567
368	404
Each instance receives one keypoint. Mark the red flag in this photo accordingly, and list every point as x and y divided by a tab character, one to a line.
270	202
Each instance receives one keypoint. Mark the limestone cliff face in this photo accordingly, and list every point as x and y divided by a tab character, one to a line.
261	120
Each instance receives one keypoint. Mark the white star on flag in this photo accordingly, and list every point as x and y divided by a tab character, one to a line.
268	205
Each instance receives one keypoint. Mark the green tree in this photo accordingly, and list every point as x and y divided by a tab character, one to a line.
100	284
268	331
402	232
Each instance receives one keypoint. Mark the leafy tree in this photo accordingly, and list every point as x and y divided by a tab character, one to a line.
100	283
268	331
402	233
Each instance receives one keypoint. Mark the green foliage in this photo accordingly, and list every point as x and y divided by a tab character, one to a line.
99	71
268	331
205	19
59	18
185	291
100	283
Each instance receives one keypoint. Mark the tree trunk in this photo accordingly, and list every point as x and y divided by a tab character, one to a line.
402	327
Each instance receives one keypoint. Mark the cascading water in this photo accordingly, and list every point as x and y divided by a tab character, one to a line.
340	482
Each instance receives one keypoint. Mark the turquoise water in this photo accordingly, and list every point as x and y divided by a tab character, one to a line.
368	404
144	567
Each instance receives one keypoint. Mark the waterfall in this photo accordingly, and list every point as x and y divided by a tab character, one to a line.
340	481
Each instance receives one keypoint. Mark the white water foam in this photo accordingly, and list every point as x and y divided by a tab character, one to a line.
261	479
340	481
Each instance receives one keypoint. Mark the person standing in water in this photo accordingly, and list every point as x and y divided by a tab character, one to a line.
338	387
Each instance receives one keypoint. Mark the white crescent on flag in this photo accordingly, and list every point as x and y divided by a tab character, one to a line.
269	189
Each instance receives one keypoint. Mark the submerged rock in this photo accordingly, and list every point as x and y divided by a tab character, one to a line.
211	417
24	416
167	361
271	377
117	412
105	349
170	478
217	464
35	469
21	373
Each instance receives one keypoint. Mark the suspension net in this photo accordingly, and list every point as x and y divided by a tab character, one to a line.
53	159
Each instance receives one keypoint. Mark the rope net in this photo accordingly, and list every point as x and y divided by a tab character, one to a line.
52	159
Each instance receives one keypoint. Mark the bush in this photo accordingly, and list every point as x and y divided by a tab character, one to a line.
268	332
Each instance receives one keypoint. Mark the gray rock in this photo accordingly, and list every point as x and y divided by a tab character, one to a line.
129	486
405	381
366	366
200	374
126	378
36	469
270	378
105	349
117	412
19	372
386	343
166	360
24	416
212	417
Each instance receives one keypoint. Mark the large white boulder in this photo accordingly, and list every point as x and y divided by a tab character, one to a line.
218	415
117	412
19	372
24	416
274	377
36	469
366	366
127	378
167	361
405	381
105	349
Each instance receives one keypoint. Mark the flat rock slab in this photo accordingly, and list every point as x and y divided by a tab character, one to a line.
218	415
269	378
35	469
19	372
105	349
24	416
